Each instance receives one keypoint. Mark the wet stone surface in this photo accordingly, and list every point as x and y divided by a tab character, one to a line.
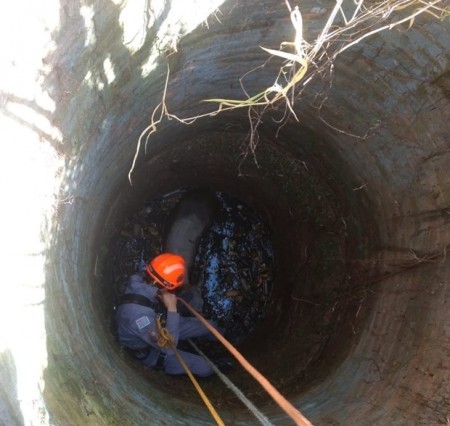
234	264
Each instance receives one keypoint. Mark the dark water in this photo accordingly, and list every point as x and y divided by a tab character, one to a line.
234	264
235	268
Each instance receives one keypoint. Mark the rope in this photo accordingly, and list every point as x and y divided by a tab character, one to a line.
289	409
166	340
260	416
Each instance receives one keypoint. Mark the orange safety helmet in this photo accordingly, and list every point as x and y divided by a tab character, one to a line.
167	270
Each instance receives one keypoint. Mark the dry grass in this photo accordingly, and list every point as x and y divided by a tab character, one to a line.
311	60
305	62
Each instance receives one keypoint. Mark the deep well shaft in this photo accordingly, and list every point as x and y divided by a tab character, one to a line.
356	194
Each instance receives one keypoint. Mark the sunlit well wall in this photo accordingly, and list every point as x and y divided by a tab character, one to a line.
79	81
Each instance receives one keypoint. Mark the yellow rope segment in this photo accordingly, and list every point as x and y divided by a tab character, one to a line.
165	340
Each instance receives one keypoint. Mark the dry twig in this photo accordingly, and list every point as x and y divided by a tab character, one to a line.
308	61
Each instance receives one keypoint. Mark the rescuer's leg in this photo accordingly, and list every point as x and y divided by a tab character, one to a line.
197	365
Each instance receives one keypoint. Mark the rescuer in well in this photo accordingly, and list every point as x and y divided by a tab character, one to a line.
149	297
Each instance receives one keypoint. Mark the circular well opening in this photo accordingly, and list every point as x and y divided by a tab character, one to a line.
309	324
322	343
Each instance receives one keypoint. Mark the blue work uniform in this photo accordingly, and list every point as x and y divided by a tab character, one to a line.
137	330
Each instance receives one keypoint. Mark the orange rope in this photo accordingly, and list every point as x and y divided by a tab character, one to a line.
295	414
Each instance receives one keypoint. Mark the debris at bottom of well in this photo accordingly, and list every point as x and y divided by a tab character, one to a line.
233	265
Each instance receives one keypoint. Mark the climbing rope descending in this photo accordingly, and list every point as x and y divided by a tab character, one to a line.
165	340
260	416
277	397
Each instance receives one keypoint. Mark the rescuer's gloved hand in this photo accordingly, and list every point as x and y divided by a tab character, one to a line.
169	300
